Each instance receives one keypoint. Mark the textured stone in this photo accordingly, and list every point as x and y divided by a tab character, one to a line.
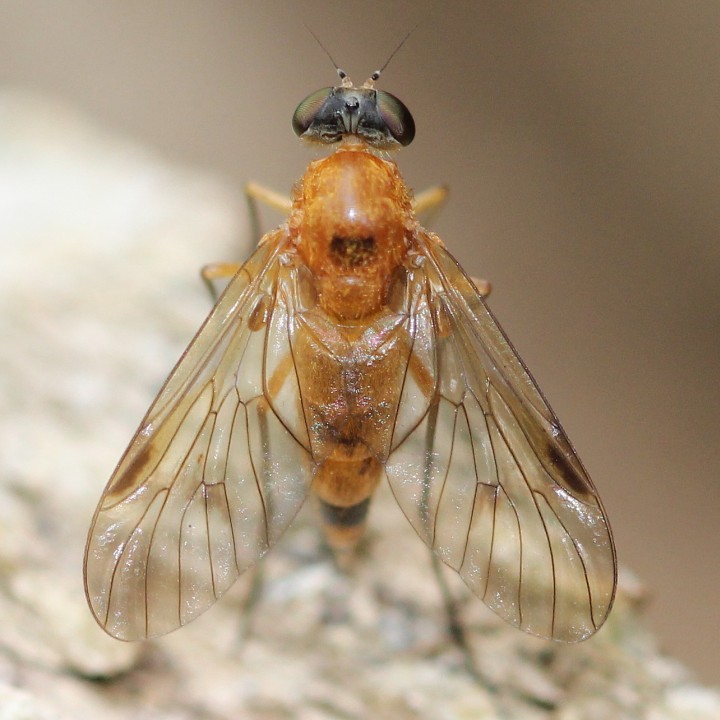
99	293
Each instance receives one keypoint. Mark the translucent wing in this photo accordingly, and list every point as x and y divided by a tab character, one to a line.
484	472
217	470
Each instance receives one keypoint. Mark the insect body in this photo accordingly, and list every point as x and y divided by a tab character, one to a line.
349	348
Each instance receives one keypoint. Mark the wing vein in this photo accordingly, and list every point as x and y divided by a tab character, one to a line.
475	489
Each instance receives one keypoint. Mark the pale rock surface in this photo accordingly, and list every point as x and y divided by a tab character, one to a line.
100	246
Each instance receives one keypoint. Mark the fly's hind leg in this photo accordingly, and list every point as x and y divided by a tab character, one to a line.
455	624
274	386
425	382
249	604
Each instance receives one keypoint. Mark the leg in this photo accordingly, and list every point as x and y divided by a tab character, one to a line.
217	271
455	627
483	286
429	202
255	194
251	601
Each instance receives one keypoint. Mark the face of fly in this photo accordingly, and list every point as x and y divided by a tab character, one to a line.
377	117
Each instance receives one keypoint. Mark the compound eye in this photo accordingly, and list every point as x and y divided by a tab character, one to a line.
308	110
396	117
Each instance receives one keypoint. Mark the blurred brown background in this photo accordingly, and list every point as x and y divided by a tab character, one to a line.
581	143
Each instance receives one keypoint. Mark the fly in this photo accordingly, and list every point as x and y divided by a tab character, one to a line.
350	349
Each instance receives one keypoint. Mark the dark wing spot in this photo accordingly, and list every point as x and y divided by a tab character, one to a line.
352	251
571	477
129	479
260	314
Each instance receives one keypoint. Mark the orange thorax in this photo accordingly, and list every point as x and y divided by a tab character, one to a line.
351	222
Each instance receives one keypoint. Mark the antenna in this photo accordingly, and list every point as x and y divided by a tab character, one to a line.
346	82
376	75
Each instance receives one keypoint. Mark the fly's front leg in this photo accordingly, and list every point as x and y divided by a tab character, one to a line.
428	204
256	194
213	272
483	286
